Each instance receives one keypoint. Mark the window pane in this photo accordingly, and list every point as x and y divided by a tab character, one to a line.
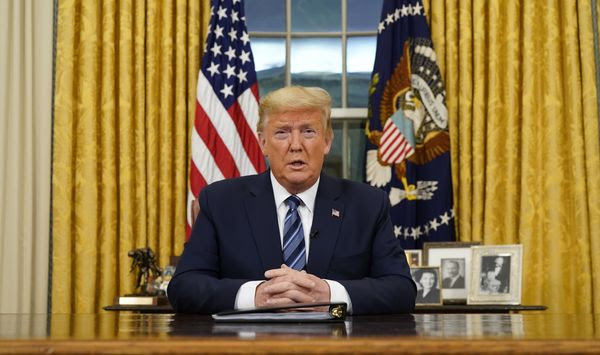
332	165
363	15
316	15
318	62
360	58
265	15
356	150
269	61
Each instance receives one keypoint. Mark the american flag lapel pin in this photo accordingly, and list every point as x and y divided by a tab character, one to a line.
335	213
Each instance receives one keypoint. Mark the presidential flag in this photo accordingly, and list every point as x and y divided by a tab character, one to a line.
408	145
224	138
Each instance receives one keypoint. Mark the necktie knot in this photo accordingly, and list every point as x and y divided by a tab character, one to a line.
293	202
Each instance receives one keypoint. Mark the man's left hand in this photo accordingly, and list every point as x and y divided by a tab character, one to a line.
319	292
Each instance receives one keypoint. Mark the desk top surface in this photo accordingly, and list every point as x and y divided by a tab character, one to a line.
361	333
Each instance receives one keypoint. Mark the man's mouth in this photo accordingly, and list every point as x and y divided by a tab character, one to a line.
297	164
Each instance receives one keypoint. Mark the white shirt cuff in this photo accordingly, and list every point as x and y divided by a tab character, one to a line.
338	293
245	296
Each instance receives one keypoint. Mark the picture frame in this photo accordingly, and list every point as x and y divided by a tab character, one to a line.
414	257
427	246
427	279
496	274
454	260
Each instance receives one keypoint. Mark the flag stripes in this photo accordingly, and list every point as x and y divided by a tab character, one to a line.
224	140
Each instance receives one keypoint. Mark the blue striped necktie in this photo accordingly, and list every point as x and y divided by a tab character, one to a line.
294	250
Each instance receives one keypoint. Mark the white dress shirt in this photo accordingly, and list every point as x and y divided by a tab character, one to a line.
247	292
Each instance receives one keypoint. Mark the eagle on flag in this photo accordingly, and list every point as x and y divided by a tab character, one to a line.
414	118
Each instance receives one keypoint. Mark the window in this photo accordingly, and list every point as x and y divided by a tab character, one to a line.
326	43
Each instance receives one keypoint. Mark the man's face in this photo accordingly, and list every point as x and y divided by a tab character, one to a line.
295	142
451	269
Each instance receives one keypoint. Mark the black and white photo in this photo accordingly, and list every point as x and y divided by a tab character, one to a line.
496	274
454	259
453	273
428	289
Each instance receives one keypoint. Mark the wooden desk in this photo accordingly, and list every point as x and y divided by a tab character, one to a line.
419	309
132	333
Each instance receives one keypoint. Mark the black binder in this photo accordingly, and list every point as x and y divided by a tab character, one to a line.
301	312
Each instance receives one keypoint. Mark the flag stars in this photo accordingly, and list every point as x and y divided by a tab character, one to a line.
426	229
234	16
389	19
227	90
230	53
213	69
434	224
415	232
222	13
216	49
218	31
229	71
445	218
232	34
417	9
405	10
245	57
242	76
245	38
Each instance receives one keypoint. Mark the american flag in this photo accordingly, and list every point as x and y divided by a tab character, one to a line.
224	139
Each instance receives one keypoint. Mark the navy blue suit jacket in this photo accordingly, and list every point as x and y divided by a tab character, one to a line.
236	239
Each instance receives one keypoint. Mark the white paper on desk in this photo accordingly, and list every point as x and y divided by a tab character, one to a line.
277	317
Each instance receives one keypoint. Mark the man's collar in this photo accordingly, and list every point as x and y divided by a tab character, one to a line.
308	196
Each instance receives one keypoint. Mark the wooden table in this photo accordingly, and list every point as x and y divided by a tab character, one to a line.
458	308
133	333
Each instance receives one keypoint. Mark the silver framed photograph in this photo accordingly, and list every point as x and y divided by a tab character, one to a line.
454	259
496	273
413	257
428	286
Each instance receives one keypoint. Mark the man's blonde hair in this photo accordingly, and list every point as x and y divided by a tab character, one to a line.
295	98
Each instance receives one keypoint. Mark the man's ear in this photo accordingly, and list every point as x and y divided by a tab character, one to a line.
261	142
328	142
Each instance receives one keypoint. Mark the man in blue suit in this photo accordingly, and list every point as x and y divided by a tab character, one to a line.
293	234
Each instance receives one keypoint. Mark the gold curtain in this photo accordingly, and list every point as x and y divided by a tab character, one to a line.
520	78
124	101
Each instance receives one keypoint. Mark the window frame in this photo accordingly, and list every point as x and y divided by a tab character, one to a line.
344	114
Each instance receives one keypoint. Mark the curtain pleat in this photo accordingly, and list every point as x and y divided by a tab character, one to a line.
520	77
122	109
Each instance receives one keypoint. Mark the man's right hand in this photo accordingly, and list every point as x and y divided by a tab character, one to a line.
288	286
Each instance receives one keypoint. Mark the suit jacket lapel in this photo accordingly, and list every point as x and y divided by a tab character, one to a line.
327	220
262	215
